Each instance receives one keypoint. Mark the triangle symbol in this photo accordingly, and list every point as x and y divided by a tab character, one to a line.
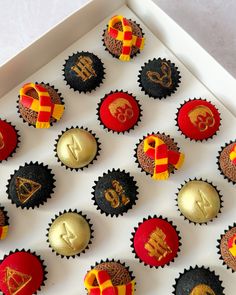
16	280
26	188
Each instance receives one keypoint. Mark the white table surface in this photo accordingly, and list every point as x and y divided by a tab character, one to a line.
211	23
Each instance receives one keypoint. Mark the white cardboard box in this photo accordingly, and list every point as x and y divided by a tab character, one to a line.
201	77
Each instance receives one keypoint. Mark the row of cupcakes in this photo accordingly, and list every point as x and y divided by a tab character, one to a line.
25	272
76	148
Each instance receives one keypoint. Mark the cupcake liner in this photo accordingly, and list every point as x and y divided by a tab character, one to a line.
45	272
134	200
102	75
90	226
43	201
136	149
115	56
116	261
215	187
197	267
51	123
133	235
192	139
218	247
218	161
94	159
17	144
110	130
165	95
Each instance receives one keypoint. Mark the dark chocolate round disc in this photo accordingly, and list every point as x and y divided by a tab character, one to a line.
115	192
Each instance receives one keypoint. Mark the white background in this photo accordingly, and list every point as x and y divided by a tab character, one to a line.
73	189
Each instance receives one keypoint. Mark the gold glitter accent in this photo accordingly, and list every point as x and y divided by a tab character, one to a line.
157	246
16	280
116	195
69	234
202	289
198	201
76	148
26	188
2	144
164	79
84	68
202	117
121	109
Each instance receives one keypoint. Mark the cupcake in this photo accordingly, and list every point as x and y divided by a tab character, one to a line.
115	192
31	185
22	272
159	78
155	242
110	277
199	201
226	161
76	148
198	280
158	155
83	71
40	104
119	111
198	119
69	234
9	140
123	38
4	223
227	247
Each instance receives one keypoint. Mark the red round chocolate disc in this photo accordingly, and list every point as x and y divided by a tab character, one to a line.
198	119
156	242
8	139
21	273
119	111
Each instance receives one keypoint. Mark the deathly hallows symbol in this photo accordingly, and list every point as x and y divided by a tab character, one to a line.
26	188
16	280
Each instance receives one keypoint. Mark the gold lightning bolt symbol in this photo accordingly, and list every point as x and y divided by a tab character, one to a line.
68	236
75	148
203	203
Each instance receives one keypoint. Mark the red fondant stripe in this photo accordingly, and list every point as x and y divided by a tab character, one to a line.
113	32
103	276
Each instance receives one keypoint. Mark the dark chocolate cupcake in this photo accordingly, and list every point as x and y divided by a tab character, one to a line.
114	274
159	78
83	71
226	161
227	247
198	119
199	201
159	148
22	272
4	223
156	241
40	104
70	233
123	38
119	111
9	140
198	280
115	192
31	185
76	148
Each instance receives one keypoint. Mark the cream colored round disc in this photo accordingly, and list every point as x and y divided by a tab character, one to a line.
76	148
198	201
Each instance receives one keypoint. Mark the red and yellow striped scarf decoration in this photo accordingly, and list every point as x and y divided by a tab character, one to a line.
105	286
232	155
157	150
125	36
3	232
43	106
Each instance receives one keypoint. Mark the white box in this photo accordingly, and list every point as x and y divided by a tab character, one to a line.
201	75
